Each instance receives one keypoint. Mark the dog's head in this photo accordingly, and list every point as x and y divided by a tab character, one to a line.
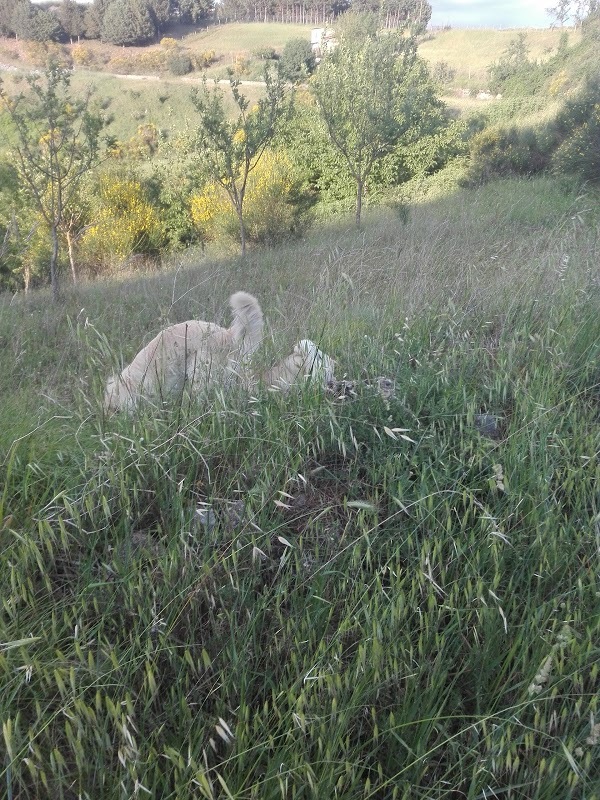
317	364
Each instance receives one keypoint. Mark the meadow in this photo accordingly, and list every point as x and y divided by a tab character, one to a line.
470	51
316	596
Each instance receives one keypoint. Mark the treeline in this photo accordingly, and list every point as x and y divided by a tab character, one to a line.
138	22
391	14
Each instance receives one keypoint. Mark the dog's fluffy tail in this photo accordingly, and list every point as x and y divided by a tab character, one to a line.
247	326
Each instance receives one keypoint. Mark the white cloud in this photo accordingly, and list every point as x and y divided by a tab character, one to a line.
487	13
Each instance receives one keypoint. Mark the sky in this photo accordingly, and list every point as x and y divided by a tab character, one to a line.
491	13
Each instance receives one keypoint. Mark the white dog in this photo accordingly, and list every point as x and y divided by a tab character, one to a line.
306	362
200	353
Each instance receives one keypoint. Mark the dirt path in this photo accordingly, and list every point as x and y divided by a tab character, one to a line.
169	79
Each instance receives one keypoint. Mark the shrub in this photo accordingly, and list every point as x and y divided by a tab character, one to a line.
168	43
212	213
297	60
499	152
40	54
274	209
265	53
513	60
122	65
82	56
241	65
124	223
590	27
443	73
179	63
143	144
580	153
205	59
150	60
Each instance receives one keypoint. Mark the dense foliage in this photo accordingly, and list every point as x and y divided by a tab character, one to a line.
232	148
54	141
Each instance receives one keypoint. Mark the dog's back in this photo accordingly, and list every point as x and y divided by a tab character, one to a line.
199	352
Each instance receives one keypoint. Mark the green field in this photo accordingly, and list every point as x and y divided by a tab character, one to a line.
471	51
394	598
245	37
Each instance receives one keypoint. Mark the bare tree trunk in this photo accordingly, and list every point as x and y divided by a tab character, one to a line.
54	263
359	193
71	256
240	216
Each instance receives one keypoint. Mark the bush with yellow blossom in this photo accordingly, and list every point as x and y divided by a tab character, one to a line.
273	210
125	223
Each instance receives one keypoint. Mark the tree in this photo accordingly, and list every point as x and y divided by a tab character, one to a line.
7	9
579	10
512	61
71	16
192	11
297	60
55	143
93	18
361	90
560	13
233	148
127	22
30	22
161	12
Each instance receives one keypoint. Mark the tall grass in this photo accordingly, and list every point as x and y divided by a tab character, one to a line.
304	596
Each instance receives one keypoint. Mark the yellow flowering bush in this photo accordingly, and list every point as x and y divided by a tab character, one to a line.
271	209
148	61
143	143
124	223
212	213
204	59
82	55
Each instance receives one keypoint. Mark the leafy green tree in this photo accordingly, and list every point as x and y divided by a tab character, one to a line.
7	9
71	16
93	18
33	23
230	148
362	93
55	143
127	22
297	60
192	11
161	12
514	59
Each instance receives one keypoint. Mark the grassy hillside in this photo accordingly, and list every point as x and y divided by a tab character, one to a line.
246	37
471	51
151	95
389	598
